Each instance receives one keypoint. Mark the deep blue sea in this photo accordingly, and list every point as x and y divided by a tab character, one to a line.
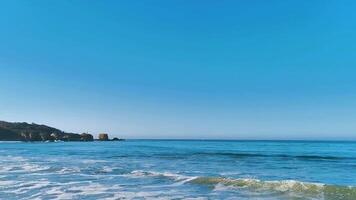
178	169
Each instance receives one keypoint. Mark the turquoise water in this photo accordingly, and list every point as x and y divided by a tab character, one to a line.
166	169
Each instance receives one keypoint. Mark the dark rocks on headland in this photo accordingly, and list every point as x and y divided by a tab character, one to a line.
56	136
86	137
34	132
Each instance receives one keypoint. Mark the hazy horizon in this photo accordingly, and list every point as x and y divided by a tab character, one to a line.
181	69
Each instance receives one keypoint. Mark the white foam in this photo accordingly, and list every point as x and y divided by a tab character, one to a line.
12	159
7	183
67	170
81	191
107	169
30	186
22	167
174	176
28	167
90	161
180	179
7	168
222	187
188	179
148	195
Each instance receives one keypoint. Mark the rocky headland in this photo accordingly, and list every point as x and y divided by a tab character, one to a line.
22	131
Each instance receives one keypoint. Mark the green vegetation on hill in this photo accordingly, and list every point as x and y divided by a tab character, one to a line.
35	132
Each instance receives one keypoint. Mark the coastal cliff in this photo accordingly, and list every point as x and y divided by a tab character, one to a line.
34	132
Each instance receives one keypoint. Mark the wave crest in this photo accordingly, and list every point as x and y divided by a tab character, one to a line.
283	187
279	188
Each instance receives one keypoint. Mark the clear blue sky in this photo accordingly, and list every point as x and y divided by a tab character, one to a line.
182	69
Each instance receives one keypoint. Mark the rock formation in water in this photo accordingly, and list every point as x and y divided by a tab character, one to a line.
103	137
35	132
117	139
86	137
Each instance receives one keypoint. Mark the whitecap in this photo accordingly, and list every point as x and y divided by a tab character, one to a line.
29	167
30	186
81	191
90	161
107	169
179	178
67	170
7	182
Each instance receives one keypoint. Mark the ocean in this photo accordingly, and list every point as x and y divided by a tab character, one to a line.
178	169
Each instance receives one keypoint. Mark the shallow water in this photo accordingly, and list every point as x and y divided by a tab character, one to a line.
166	169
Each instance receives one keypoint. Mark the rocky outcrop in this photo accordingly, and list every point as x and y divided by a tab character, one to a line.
34	132
56	136
46	137
117	139
9	135
103	137
86	137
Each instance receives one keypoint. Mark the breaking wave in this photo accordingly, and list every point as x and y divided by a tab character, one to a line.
281	188
285	187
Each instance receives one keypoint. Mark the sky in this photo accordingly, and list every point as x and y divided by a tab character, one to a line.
180	69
